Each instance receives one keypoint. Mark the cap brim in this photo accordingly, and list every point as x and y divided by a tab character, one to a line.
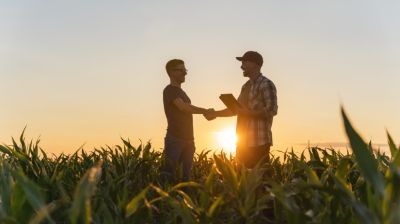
239	58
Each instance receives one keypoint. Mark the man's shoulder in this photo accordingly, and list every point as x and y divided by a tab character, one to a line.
171	88
171	92
168	87
264	78
266	81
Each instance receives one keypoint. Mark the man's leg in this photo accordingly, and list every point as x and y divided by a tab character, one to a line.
187	159
173	149
249	157
242	156
260	153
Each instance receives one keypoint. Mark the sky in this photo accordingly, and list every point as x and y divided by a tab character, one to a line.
86	73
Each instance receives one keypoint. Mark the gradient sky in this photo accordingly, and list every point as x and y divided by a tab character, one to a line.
90	72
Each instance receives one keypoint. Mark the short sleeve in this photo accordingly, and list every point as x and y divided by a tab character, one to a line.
170	94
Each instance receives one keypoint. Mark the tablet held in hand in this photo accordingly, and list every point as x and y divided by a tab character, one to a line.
230	102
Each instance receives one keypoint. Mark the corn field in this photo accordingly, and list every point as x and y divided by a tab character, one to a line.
122	184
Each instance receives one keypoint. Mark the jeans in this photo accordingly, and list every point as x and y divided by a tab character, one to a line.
178	154
250	156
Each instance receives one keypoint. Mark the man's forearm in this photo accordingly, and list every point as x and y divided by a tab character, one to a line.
224	113
196	110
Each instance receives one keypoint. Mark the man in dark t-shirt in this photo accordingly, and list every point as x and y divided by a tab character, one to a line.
179	141
180	123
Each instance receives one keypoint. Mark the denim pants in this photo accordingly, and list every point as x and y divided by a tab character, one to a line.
250	156
178	154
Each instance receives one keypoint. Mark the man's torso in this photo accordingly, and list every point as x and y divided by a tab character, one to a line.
256	95
180	124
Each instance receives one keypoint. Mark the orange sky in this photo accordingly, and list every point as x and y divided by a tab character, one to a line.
90	73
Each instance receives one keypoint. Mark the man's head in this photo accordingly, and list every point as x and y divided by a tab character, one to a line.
251	63
176	70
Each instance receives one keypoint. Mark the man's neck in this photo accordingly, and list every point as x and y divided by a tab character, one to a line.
174	83
254	76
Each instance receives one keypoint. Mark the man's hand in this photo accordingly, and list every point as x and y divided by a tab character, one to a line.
210	114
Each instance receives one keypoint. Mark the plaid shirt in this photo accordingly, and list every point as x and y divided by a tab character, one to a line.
259	95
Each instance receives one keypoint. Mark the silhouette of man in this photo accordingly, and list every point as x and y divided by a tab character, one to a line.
254	119
179	144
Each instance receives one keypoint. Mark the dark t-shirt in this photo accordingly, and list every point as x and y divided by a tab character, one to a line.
180	124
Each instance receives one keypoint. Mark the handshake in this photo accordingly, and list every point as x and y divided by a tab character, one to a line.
210	114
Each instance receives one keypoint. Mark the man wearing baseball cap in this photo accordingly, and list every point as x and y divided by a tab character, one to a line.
258	102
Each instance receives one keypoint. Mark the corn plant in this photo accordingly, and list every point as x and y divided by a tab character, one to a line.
122	184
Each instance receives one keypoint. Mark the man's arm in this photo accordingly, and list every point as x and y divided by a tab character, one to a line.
224	113
187	107
212	114
271	102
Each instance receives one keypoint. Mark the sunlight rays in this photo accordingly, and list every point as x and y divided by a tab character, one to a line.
226	139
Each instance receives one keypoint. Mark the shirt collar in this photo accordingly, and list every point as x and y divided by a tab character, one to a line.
256	79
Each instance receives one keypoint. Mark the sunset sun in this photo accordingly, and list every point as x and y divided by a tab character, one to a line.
226	139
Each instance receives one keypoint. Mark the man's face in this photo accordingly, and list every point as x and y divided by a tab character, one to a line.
249	68
178	73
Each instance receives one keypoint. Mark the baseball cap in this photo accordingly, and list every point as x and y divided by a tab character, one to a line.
252	56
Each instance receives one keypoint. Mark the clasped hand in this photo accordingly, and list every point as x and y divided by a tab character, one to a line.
210	114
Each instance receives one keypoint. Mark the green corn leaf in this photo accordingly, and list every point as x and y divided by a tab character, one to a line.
134	204
394	151
312	176
22	140
81	206
6	150
364	157
127	143
343	168
42	214
20	208
365	215
183	212
32	192
219	201
343	186
160	191
314	155
185	184
6	187
187	200
209	181
228	173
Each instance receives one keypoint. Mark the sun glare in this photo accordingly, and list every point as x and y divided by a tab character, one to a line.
227	139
